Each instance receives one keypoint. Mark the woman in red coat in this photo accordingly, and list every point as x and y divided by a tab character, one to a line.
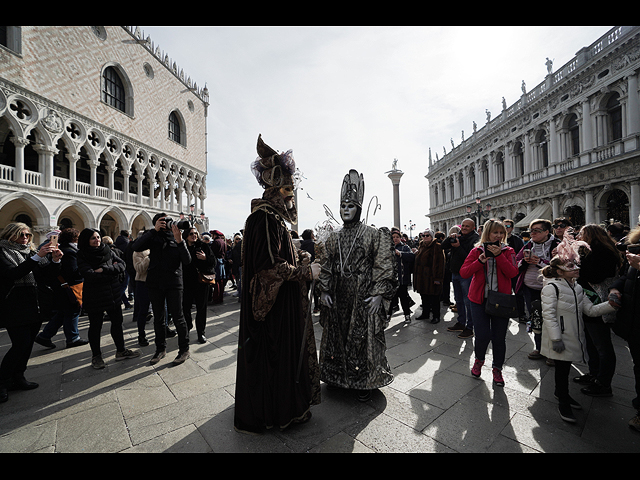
492	265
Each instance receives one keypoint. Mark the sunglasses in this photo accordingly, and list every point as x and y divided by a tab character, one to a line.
537	230
508	226
560	225
25	235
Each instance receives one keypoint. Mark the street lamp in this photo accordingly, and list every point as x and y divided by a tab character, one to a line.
411	228
479	211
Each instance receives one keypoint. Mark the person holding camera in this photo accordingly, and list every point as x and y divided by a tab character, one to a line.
196	290
460	244
599	266
491	266
168	253
26	300
627	324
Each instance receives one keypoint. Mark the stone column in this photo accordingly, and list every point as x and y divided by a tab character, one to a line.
395	176
586	137
633	108
19	143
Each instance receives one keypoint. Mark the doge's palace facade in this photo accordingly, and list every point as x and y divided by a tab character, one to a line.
98	128
568	147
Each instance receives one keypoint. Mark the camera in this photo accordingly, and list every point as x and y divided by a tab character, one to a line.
181	224
623	247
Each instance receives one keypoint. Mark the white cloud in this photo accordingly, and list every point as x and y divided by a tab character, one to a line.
353	97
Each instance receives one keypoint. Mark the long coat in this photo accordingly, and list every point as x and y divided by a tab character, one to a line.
428	269
357	264
562	311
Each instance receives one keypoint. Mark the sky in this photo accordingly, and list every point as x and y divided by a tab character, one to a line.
353	97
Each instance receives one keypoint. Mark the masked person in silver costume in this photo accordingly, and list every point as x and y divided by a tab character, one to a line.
357	282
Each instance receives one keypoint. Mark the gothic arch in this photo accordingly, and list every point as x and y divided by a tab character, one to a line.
78	207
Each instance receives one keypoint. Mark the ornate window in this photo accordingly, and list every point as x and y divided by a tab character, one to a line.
615	117
574	135
177	131
113	92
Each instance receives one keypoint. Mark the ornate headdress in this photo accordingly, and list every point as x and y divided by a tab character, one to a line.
353	188
273	169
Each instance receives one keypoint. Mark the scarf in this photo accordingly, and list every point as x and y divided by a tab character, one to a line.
16	254
95	256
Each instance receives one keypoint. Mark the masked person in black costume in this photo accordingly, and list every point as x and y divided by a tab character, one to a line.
277	377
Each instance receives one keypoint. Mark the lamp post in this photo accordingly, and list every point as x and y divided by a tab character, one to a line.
480	212
412	226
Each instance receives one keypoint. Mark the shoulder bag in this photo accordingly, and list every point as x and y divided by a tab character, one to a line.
499	304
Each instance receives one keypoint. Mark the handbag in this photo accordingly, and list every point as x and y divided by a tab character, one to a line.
500	304
208	278
74	292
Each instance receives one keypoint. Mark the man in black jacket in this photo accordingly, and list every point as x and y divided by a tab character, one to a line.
164	283
460	245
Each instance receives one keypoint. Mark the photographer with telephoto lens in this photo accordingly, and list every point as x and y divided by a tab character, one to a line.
168	254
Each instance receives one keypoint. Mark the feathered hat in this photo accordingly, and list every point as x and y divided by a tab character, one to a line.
273	169
568	251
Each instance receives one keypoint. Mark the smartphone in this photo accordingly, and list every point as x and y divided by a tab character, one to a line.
527	254
53	240
488	252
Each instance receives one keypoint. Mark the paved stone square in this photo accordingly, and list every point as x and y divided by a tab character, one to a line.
433	405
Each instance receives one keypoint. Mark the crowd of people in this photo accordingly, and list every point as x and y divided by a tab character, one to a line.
572	285
165	272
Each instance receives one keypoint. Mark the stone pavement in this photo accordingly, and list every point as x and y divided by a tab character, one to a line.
433	405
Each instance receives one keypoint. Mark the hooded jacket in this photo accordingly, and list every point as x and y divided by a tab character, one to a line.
563	304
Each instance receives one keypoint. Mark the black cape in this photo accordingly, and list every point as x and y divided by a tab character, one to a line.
273	387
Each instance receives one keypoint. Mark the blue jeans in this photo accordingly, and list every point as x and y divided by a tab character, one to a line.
489	328
461	295
67	318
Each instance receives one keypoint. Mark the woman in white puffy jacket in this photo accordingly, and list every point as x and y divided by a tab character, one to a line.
563	337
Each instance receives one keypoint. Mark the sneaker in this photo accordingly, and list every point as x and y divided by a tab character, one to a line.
181	358
635	422
566	413
585	379
127	354
535	355
97	362
435	320
458	327
157	357
407	319
572	403
45	342
466	333
596	389
78	343
497	378
477	367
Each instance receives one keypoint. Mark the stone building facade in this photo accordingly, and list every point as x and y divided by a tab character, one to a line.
568	147
98	128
